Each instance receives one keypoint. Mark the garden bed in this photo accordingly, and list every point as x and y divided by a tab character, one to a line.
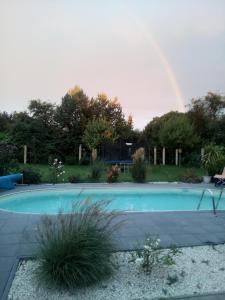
198	270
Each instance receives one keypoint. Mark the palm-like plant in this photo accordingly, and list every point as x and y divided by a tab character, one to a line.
213	160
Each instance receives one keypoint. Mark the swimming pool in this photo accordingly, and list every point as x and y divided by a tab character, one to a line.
50	201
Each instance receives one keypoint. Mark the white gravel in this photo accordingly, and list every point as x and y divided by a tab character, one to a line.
199	270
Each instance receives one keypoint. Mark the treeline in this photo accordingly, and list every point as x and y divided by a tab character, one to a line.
49	129
58	130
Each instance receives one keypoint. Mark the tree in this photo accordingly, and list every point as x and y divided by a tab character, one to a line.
151	132
178	132
5	124
207	116
71	118
7	158
111	111
97	131
42	111
26	130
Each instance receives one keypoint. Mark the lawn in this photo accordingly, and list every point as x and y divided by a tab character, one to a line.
154	173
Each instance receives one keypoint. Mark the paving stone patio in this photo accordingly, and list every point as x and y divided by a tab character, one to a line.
18	236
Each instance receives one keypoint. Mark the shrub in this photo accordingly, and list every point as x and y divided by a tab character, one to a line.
96	170
71	160
31	176
139	170
190	176
213	160
7	158
153	255
75	249
113	174
191	160
74	178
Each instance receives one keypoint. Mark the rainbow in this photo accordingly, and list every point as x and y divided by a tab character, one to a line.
164	61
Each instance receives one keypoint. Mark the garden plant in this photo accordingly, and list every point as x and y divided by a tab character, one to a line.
56	170
113	174
153	255
75	249
139	168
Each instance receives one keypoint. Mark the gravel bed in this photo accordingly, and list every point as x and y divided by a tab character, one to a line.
198	270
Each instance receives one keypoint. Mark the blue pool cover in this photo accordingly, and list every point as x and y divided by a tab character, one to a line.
8	182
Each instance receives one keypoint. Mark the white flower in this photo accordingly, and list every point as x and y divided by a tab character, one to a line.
139	260
147	247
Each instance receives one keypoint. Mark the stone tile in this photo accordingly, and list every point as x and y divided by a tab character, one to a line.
185	240
2	222
6	263
220	237
213	228
28	249
207	239
8	250
3	281
194	229
29	236
166	240
205	297
10	238
14	225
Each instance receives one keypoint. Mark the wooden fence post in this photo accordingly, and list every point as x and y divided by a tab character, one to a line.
80	153
155	156
25	154
176	157
202	152
164	156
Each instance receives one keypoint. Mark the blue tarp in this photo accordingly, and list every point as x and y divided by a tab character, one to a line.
8	182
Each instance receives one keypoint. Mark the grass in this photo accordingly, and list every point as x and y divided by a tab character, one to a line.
154	173
75	249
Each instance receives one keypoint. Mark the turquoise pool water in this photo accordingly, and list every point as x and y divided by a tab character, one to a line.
134	200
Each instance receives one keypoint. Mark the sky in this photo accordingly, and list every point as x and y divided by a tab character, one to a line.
154	55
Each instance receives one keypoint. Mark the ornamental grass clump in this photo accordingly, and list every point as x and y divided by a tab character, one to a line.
75	249
139	169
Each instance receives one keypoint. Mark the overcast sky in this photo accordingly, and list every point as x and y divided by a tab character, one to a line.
154	55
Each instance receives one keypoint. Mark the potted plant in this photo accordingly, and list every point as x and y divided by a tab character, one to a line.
212	161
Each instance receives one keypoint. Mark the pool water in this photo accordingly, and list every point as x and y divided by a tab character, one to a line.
132	199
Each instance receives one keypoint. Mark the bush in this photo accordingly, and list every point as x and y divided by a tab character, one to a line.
139	169
74	179
71	160
190	176
31	176
7	158
213	160
96	170
75	249
191	160
113	174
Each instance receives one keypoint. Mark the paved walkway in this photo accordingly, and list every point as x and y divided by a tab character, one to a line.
18	236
